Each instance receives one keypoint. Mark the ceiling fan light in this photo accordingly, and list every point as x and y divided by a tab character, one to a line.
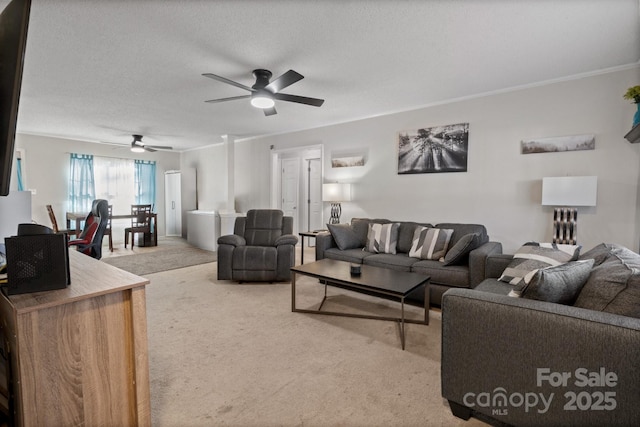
137	149
262	101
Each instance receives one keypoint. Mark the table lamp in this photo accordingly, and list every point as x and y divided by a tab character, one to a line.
336	193
569	192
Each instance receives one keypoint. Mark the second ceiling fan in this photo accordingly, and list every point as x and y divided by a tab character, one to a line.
264	91
137	146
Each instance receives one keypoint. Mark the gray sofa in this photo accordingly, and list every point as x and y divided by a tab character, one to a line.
529	362
465	272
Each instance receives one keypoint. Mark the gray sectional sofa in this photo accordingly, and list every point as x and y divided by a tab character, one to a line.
465	271
530	362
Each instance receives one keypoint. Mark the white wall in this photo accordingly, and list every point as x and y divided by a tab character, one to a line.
210	164
502	187
46	166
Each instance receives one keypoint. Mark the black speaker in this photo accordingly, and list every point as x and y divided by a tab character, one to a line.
37	262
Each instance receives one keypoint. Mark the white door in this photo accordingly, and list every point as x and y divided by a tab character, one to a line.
315	196
173	205
289	184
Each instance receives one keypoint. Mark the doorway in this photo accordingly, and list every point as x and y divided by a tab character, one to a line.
296	186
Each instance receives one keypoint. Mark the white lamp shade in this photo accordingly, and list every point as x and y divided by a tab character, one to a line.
336	192
570	191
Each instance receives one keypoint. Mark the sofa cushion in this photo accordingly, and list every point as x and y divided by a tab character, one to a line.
382	238
405	235
494	286
614	285
459	253
349	255
560	284
361	227
450	275
263	226
401	262
533	256
255	258
430	243
344	236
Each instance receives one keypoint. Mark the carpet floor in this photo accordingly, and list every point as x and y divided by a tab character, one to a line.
228	354
164	259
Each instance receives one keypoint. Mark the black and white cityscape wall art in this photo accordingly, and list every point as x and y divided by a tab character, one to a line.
434	149
558	144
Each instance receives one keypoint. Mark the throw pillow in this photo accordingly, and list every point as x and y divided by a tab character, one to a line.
458	252
614	285
344	236
430	243
560	284
533	256
599	253
383	238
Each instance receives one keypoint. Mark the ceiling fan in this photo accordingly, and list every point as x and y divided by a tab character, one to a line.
264	92
137	146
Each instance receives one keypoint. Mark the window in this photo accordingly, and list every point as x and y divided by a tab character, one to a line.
115	182
82	190
122	182
20	170
145	183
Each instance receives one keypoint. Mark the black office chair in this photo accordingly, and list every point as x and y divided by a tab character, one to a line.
89	242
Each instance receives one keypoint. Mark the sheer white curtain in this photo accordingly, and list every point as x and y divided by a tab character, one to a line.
114	180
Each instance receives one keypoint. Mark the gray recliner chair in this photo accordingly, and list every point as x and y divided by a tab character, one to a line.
261	248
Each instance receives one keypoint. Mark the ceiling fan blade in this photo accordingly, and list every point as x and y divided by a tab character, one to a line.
149	149
232	98
226	80
299	99
287	79
270	111
160	147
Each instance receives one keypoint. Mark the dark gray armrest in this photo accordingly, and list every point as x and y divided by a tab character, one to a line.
324	241
232	239
491	341
495	265
287	239
477	258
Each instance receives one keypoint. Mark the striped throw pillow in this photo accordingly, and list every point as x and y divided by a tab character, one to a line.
382	238
533	256
430	243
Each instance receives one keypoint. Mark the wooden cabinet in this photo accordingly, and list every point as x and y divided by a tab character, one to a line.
78	355
180	197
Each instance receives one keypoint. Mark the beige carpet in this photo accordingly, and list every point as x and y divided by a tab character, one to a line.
226	354
169	258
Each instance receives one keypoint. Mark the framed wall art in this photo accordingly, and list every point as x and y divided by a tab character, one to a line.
348	158
558	144
434	149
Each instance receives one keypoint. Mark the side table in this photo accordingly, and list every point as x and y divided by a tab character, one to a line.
309	234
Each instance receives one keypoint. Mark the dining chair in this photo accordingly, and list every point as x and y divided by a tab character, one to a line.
54	223
140	223
107	231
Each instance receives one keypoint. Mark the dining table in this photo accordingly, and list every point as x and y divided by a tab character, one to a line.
150	239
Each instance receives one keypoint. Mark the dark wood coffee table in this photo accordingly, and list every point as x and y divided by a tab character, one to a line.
374	280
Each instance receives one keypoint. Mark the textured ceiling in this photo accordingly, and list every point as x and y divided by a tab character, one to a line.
100	70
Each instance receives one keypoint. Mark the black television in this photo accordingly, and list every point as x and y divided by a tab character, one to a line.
14	22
